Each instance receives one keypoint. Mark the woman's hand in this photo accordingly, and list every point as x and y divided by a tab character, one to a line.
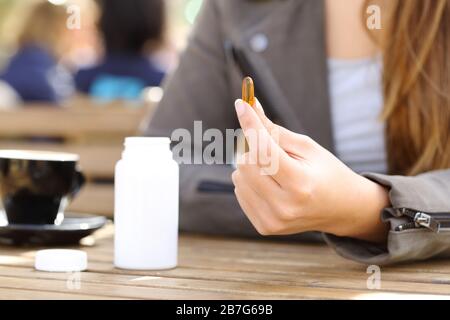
287	183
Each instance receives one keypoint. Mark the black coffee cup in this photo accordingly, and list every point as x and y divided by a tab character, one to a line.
36	186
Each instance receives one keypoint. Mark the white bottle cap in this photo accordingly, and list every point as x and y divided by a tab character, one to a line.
60	260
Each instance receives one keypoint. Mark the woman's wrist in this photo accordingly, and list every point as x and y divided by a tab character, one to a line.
367	224
359	215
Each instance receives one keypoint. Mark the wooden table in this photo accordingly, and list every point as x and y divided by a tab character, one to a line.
219	268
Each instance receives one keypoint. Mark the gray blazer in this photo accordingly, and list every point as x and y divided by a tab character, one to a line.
281	43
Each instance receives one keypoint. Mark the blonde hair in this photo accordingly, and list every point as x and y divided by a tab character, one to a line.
417	87
44	26
416	51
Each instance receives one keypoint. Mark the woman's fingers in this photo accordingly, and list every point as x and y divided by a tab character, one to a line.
262	116
254	206
293	143
263	150
264	185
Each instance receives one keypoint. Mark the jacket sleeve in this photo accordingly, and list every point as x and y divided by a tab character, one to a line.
427	193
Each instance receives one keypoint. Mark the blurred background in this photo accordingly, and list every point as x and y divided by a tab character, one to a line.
33	28
180	13
79	76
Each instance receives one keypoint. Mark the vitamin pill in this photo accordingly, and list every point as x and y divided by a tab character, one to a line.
248	91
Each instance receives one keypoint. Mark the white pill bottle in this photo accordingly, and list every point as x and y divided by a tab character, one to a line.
146	206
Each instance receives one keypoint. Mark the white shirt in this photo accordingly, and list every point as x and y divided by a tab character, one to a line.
356	98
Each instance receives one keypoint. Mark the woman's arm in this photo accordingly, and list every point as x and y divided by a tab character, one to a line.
310	189
427	193
306	189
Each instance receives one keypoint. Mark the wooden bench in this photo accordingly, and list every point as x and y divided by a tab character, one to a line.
95	132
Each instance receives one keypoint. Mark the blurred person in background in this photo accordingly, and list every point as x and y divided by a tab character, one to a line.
132	30
86	45
34	71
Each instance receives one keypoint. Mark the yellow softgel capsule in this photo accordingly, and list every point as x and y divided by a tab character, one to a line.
248	91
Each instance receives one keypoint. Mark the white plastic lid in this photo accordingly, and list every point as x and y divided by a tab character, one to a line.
60	260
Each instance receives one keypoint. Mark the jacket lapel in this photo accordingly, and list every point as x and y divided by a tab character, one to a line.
286	47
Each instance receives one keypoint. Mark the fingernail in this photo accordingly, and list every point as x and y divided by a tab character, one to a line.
240	107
